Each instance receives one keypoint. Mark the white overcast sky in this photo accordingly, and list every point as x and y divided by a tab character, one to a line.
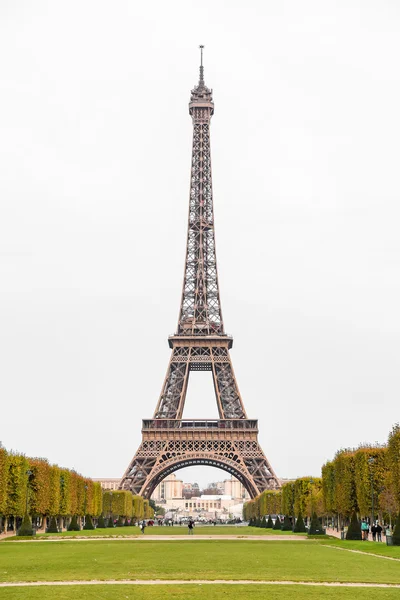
94	176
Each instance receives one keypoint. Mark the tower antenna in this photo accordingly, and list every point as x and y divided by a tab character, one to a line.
201	81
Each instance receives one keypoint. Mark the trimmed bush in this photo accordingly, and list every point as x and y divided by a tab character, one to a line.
396	532
74	525
52	528
315	526
26	526
88	523
264	523
354	530
300	526
277	524
120	522
251	522
286	525
270	523
101	522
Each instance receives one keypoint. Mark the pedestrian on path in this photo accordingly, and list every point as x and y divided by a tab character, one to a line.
379	530
364	530
143	526
373	531
190	527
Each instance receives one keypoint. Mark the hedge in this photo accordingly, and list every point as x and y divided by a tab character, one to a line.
343	489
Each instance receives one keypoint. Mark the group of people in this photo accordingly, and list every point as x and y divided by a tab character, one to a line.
376	531
143	526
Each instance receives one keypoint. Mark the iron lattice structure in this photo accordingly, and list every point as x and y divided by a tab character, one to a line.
200	344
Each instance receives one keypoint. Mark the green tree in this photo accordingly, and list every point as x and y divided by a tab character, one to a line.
393	462
354	530
17	485
286	525
3	479
328	488
345	488
315	526
277	524
74	525
88	523
264	522
100	522
300	526
52	528
39	486
26	528
369	477
55	491
396	532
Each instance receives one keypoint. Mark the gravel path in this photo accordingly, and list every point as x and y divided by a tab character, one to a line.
169	538
363	553
199	582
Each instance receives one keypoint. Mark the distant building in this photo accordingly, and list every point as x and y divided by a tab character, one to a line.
180	500
170	488
108	484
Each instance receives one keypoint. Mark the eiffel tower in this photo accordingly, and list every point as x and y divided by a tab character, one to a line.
200	344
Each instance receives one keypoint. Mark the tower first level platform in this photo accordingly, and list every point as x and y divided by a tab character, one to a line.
171	444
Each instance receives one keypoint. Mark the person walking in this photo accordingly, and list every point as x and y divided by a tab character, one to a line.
373	531
143	526
190	527
364	530
379	530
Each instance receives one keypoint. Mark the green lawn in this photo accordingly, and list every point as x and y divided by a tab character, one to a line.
176	530
373	547
196	592
197	559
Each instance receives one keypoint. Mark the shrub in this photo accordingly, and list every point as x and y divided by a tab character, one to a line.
26	526
270	523
286	525
88	523
251	522
100	522
396	532
354	530
120	522
300	527
110	522
52	528
264	522
277	524
74	525
315	526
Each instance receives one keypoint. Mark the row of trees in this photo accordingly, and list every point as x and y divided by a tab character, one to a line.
300	497
365	481
35	487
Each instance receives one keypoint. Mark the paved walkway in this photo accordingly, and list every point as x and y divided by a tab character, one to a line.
361	552
334	584
169	538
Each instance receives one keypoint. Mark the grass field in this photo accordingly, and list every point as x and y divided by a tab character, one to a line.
188	560
176	530
196	592
320	561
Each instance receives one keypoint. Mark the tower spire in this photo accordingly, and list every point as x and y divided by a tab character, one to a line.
201	80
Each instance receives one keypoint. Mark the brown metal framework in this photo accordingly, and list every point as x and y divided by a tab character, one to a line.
200	344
